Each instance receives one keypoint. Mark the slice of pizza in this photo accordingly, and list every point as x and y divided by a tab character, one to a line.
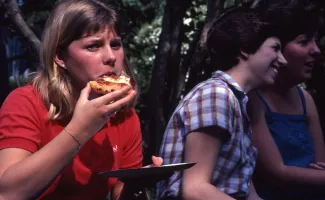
107	84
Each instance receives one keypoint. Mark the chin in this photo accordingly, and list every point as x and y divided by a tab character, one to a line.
306	76
268	82
271	82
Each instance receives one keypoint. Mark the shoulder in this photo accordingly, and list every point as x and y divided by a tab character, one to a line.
212	89
210	103
23	96
310	104
24	102
24	91
307	95
308	98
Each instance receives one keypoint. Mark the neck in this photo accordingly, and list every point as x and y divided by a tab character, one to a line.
284	84
243	77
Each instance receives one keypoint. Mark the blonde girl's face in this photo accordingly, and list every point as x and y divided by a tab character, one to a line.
93	56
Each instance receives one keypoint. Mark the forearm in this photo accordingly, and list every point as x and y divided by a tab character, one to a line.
30	176
252	193
204	191
115	193
295	176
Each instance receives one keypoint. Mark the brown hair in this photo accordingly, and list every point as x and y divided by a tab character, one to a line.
69	20
294	16
239	29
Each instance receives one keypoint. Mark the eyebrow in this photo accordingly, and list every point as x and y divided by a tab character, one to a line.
96	38
92	40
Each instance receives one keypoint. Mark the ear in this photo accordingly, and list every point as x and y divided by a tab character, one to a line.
244	55
59	61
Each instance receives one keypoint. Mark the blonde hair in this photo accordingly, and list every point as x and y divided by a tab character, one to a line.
70	20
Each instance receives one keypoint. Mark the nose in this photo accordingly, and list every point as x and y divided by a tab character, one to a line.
281	60
109	56
315	49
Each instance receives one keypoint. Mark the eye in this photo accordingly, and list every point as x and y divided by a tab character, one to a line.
92	47
116	44
316	37
277	47
304	42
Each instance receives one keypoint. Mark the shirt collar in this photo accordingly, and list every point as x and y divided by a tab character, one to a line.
238	91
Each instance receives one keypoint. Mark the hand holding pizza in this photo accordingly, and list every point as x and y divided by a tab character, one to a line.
90	115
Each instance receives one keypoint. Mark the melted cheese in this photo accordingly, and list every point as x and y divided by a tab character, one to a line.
122	79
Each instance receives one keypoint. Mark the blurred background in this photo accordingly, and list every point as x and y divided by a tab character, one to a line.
161	38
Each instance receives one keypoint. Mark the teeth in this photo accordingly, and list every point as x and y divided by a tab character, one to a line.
275	70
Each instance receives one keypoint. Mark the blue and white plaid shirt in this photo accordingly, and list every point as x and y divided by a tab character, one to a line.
218	101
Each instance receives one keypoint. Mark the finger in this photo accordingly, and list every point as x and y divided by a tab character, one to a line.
115	106
157	161
84	94
113	96
314	166
321	164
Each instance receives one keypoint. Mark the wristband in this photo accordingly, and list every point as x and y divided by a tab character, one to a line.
79	145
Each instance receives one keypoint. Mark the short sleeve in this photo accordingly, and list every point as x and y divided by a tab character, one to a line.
132	151
19	121
211	105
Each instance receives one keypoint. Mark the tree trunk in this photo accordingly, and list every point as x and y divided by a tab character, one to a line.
14	13
176	74
166	64
197	72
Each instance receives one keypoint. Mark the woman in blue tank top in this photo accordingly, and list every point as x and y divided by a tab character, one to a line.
285	123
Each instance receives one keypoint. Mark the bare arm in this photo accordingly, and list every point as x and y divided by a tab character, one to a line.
117	190
24	175
196	180
270	163
252	193
315	128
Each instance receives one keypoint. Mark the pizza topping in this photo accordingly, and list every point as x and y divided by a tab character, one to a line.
106	84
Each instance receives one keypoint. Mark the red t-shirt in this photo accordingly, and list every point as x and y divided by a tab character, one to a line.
24	124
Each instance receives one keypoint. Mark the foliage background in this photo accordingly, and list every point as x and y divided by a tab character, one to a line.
160	38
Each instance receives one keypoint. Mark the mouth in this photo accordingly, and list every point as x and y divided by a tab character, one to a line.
310	64
110	74
275	68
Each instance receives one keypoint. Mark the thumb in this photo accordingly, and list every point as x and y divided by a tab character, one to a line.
84	94
157	161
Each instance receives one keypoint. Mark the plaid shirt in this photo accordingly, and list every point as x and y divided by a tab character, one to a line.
218	101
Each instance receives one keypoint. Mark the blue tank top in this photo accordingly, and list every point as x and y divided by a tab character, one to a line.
291	135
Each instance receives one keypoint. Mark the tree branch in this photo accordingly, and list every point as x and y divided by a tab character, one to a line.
14	13
255	3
